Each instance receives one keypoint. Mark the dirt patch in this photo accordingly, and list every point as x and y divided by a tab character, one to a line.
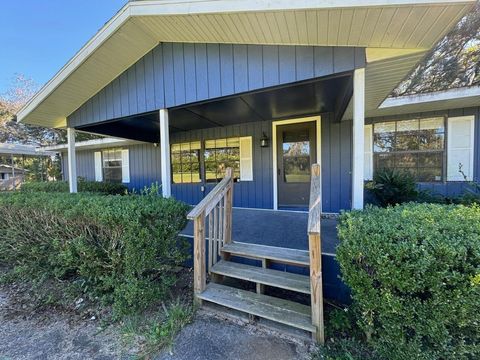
45	322
53	333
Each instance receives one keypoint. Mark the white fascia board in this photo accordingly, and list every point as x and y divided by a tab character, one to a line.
431	97
93	144
103	34
187	7
27	150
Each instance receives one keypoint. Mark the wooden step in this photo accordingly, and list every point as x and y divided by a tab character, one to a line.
276	254
279	279
268	307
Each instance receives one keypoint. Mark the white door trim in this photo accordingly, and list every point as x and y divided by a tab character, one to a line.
318	121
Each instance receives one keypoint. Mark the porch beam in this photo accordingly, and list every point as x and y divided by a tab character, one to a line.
165	153
72	161
358	138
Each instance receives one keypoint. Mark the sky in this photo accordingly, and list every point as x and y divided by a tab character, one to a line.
38	37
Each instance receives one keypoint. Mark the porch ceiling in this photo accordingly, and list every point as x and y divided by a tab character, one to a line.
141	25
296	100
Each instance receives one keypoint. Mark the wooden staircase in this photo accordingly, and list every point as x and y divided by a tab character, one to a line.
214	216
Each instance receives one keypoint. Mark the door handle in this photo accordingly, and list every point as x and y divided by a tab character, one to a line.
279	171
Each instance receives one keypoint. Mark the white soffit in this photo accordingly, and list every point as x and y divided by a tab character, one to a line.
381	77
140	25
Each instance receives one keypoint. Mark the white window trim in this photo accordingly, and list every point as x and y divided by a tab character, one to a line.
125	166
243	177
450	122
98	164
369	153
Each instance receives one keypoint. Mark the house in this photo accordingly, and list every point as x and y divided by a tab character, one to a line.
8	171
266	88
12	163
455	111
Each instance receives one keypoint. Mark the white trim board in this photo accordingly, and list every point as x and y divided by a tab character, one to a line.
444	95
318	121
94	144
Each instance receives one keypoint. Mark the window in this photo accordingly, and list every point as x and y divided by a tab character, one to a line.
296	156
112	165
416	146
221	154
185	159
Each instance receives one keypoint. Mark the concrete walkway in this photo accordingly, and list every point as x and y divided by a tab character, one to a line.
213	338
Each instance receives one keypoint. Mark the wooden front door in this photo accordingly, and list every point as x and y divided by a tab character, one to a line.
296	152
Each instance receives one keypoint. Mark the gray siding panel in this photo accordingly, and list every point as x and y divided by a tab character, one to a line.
144	165
175	74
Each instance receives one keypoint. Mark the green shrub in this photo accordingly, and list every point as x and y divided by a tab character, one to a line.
390	187
122	249
344	349
83	186
412	270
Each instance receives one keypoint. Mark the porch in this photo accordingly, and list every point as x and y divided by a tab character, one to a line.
277	228
270	137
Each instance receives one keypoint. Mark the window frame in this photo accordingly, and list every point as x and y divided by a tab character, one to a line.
120	158
200	162
443	151
226	139
203	163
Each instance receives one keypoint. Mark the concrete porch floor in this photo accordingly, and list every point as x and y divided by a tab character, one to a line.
277	228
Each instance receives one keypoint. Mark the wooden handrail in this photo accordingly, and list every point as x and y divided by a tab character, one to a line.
217	208
211	196
315	250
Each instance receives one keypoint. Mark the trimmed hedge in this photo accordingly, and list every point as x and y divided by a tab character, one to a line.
83	186
123	249
414	271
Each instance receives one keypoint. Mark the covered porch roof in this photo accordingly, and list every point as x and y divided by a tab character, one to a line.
396	34
27	150
321	95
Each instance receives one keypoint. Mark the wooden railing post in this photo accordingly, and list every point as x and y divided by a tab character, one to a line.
218	201
199	273
315	249
229	209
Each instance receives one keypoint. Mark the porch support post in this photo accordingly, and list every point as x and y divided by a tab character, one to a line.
165	154
13	173
72	161
358	138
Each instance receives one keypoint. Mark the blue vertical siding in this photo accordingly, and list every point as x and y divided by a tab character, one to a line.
336	164
174	74
144	165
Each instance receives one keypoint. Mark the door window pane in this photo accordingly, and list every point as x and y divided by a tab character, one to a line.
296	156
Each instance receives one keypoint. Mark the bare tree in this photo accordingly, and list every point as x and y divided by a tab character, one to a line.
20	92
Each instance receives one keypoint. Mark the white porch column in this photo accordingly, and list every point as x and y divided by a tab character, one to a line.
358	138
165	154
72	161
